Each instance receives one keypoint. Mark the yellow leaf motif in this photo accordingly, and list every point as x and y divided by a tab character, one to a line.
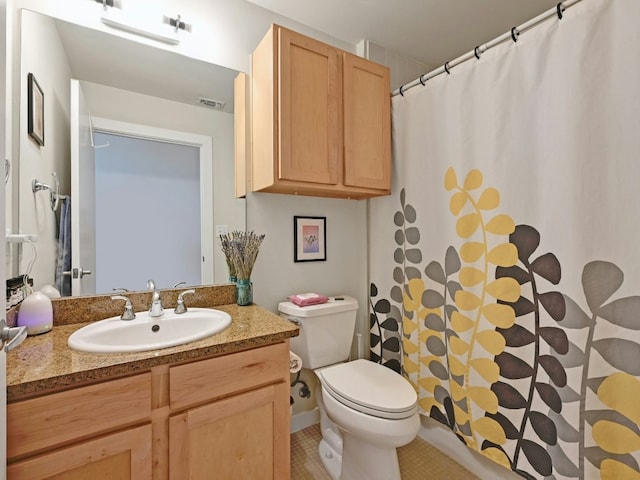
429	383
456	367
620	391
486	368
457	392
457	202
427	403
473	180
615	438
613	470
462	417
458	346
410	348
491	430
424	335
461	323
408	326
492	342
484	398
505	255
409	365
506	289
502	316
470	276
501	225
450	179
413	298
489	199
471	251
467	300
468	224
430	358
497	456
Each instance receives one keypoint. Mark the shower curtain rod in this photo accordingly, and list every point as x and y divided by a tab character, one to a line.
480	49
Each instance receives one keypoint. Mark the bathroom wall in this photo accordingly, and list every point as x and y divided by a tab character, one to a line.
277	276
51	70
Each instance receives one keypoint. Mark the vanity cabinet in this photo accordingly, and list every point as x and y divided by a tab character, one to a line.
320	119
77	434
225	417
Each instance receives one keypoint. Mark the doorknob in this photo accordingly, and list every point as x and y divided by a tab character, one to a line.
77	273
12	336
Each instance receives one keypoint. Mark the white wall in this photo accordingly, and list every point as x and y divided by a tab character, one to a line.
276	275
46	59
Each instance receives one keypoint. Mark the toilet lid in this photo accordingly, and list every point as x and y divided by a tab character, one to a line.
370	388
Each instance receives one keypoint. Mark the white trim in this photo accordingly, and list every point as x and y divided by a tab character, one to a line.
205	146
305	419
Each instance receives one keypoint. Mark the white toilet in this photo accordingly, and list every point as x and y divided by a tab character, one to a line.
366	409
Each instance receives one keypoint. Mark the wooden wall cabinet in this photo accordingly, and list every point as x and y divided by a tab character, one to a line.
320	119
224	417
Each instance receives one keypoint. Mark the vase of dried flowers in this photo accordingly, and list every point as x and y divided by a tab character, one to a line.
241	250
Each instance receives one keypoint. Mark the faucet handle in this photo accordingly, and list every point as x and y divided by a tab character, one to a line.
128	313
181	307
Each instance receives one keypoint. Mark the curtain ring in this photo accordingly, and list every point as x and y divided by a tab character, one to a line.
560	10
401	87
476	52
515	34
422	81
446	68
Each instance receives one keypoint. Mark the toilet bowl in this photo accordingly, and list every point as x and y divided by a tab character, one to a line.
375	412
366	409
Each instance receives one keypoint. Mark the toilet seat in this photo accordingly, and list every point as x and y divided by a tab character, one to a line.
370	388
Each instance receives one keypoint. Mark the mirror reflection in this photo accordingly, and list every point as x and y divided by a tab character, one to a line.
108	103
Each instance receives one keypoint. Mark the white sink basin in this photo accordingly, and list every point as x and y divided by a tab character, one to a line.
143	333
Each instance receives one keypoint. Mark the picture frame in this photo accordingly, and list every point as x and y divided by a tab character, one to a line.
309	239
35	106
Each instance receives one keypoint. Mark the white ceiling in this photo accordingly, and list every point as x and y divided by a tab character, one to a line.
430	31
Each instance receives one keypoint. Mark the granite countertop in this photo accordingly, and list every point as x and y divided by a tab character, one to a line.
44	363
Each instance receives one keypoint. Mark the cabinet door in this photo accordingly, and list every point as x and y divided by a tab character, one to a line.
309	119
367	124
125	455
244	436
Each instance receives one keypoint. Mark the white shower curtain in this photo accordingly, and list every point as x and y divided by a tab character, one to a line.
505	271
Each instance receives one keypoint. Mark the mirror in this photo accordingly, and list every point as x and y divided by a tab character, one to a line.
124	82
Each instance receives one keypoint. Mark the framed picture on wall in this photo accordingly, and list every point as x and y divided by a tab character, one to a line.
309	239
35	106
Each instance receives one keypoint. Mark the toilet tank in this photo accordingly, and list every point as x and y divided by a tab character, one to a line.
326	330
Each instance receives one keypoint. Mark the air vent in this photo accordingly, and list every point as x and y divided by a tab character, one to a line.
218	105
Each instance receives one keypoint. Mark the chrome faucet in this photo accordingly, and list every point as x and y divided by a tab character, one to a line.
156	304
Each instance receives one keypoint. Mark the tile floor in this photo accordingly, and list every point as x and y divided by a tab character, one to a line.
418	460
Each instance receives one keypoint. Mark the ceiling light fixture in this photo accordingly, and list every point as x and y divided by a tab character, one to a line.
163	33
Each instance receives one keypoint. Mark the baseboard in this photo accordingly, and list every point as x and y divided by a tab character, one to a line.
305	419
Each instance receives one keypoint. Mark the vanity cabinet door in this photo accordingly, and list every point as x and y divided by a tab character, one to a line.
242	436
367	124
124	455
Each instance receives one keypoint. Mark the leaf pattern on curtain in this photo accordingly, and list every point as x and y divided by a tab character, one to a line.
498	343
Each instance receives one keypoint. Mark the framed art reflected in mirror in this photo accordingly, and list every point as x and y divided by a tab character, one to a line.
35	126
